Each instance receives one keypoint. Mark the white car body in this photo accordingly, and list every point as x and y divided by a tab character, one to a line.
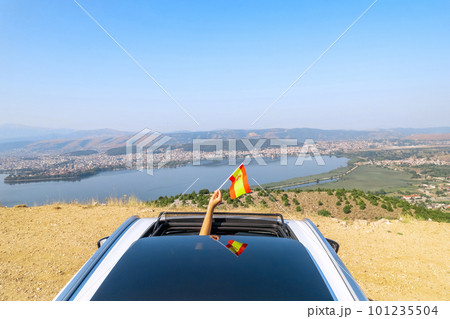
88	279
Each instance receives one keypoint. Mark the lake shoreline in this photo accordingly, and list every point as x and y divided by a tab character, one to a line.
330	176
163	182
77	176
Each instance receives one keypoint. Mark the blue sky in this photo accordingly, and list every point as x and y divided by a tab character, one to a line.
225	62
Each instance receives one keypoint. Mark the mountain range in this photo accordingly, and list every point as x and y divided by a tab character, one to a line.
16	132
37	139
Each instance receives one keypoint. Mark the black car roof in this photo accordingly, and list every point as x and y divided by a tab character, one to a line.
200	268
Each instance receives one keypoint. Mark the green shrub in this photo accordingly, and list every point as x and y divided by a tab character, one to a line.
264	203
406	212
362	204
320	203
324	212
347	209
298	209
340	192
433	214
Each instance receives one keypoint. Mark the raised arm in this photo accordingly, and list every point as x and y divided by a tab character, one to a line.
215	200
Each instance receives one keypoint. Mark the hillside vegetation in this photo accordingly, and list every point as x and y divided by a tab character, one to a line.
340	203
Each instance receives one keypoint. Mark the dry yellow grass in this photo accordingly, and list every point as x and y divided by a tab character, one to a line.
41	248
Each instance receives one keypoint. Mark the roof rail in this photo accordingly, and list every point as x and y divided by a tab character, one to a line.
275	215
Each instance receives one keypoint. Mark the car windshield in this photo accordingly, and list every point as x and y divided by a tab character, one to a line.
203	268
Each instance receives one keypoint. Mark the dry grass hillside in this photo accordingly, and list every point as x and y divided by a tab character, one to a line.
41	248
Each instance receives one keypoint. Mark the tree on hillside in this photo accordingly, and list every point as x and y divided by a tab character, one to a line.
347	209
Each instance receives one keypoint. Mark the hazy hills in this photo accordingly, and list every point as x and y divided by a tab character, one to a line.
18	133
36	139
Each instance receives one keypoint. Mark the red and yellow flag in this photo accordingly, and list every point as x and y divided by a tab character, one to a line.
239	183
236	247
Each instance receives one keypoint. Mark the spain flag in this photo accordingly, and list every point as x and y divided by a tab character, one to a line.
239	183
236	247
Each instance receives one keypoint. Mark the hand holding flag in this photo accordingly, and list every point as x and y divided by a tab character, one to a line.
239	186
216	199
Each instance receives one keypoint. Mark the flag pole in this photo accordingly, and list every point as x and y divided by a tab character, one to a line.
220	187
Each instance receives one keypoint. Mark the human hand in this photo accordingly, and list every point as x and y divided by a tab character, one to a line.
215	199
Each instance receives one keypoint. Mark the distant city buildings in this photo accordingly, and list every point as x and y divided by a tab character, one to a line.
30	166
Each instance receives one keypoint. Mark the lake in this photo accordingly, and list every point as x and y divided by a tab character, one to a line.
165	181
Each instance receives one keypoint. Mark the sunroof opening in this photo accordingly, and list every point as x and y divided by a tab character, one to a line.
222	225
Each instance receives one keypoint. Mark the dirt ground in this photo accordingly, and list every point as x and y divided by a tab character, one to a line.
41	248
